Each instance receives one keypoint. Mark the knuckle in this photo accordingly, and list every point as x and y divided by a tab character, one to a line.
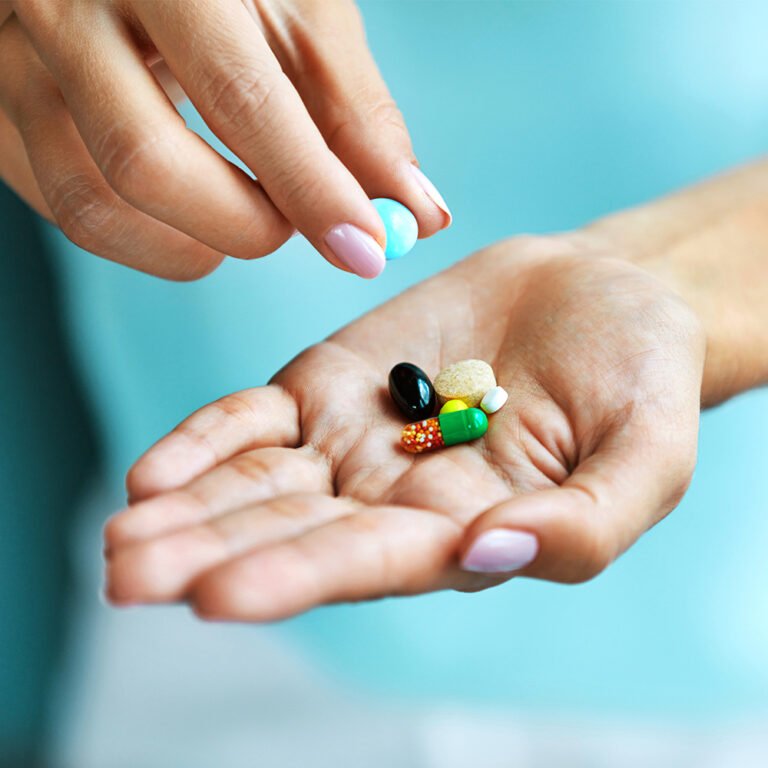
83	210
251	467
367	110
236	98
384	111
299	184
590	548
289	509
233	408
131	160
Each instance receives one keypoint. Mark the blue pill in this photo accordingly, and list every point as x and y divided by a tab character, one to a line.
400	225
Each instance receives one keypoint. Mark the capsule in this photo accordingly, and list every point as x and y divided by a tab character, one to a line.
444	430
412	391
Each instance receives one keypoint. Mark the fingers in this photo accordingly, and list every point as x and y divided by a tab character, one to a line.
163	569
328	60
254	418
375	551
237	84
572	533
139	141
247	478
145	154
15	170
75	193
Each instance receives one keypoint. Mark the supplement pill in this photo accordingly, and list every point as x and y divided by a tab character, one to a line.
494	399
467	380
400	225
412	391
444	430
454	405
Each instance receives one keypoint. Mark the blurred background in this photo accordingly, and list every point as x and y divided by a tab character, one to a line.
530	117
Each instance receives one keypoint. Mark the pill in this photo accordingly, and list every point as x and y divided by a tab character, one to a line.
400	225
493	399
467	380
451	406
444	430
412	391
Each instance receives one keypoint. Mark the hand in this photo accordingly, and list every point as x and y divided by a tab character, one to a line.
284	497
89	138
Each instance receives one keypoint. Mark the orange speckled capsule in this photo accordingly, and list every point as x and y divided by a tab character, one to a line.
443	430
422	436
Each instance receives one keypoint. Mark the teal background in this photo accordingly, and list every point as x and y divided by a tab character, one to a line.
529	117
47	449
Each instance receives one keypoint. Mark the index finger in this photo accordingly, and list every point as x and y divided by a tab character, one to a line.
235	81
254	418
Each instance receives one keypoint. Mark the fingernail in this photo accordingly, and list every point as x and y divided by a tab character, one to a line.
500	551
431	191
356	249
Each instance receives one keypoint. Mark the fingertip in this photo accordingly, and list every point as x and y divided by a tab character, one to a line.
218	597
264	586
437	214
501	550
573	543
117	531
356	250
170	463
155	571
120	587
142	480
258	241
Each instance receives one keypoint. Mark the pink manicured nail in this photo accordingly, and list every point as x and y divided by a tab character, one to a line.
356	249
500	551
432	193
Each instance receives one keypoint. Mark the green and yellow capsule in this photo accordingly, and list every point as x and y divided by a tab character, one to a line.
443	430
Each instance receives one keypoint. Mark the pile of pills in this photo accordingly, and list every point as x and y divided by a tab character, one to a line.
459	389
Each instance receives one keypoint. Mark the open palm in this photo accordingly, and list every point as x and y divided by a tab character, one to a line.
283	497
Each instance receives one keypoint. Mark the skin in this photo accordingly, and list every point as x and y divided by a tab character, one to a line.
90	136
310	500
609	340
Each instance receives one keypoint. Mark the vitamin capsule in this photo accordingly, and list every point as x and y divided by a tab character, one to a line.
451	406
444	430
467	380
400	225
412	391
494	399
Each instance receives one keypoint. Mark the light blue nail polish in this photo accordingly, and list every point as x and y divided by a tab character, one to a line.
400	225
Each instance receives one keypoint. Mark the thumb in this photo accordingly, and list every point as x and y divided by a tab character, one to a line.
572	533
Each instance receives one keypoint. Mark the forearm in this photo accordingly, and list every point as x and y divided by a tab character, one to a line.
709	243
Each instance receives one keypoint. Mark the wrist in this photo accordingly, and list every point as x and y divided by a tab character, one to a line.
718	270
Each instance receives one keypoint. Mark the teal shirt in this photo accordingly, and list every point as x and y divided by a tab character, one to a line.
530	117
